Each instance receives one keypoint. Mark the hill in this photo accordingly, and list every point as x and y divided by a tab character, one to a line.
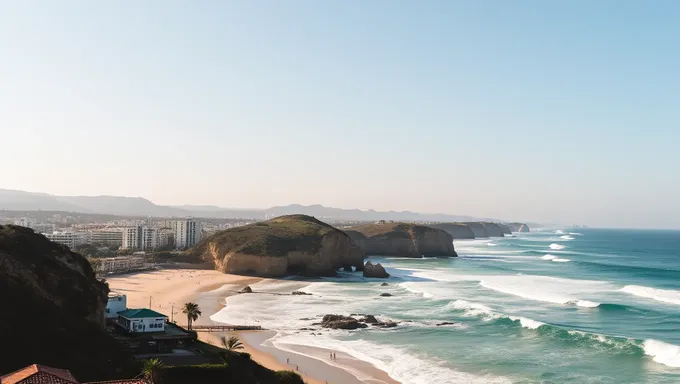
287	245
402	240
53	309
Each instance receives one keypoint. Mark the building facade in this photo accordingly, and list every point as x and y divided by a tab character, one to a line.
142	320
139	237
116	303
109	237
69	239
187	233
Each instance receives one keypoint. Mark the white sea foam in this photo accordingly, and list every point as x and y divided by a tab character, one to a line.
662	295
545	288
575	234
556	246
663	353
491	244
472	309
587	304
560	260
399	363
526	323
566	237
548	257
559	232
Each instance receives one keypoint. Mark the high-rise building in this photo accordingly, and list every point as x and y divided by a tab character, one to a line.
149	238
132	238
139	237
187	233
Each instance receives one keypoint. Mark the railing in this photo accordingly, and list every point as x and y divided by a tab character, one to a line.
211	328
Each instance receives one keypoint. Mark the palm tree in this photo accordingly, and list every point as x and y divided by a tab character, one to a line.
192	311
231	344
152	370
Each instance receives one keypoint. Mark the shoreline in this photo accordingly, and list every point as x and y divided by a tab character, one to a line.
168	289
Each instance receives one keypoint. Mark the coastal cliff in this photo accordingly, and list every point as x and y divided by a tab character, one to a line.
519	227
57	308
402	240
457	230
286	245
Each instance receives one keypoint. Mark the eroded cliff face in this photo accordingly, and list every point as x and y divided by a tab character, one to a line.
403	240
457	230
317	253
519	227
493	230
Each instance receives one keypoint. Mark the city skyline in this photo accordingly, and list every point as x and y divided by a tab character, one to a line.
543	112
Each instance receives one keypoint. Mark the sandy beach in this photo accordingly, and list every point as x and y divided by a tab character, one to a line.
167	290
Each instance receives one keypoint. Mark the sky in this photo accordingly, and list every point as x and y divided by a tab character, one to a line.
547	111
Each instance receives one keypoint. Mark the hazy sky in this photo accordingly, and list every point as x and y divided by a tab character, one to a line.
560	111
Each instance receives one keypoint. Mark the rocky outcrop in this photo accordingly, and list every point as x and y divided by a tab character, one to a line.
493	229
386	294
341	322
54	309
287	245
384	285
402	240
519	227
457	230
300	293
369	319
506	229
483	229
246	289
375	270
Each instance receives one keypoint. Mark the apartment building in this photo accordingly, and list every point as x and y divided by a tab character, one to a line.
187	233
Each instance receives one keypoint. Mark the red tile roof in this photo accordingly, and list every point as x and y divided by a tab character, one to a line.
39	374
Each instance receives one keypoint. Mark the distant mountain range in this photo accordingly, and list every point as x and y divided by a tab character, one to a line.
14	200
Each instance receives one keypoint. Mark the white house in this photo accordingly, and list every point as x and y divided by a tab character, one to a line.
142	320
117	303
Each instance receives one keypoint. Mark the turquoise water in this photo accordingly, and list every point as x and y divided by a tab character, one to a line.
566	306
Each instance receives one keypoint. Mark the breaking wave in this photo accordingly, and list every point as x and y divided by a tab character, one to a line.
556	246
662	295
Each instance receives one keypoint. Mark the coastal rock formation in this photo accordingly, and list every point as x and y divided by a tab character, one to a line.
483	229
286	245
506	229
375	270
369	319
246	289
402	240
341	322
386	294
300	293
457	230
384	285
55	309
519	227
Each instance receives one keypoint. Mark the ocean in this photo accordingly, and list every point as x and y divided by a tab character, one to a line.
550	306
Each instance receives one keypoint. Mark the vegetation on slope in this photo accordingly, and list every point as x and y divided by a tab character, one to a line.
275	237
53	309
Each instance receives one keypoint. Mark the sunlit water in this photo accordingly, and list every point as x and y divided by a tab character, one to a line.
566	306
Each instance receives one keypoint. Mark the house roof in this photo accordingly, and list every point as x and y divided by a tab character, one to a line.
140	313
39	374
124	381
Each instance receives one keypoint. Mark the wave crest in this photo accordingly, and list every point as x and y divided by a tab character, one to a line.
662	295
556	246
663	353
